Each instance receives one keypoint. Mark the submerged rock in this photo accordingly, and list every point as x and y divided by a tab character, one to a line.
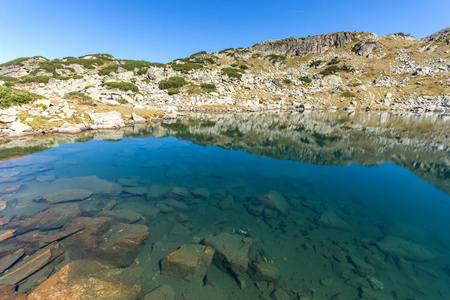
396	246
231	252
85	279
188	263
164	292
264	271
329	219
276	201
92	183
67	196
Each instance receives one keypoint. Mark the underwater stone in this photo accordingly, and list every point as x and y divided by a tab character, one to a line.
329	219
87	279
280	294
200	193
67	196
231	252
396	246
367	293
188	263
276	201
164	292
177	193
264	271
136	190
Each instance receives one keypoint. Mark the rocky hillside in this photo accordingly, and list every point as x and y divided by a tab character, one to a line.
344	70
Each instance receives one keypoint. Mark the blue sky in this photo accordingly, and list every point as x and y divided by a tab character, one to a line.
161	31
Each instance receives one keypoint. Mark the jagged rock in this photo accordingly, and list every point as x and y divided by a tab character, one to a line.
6	234
396	246
231	252
275	200
329	219
85	279
138	118
188	263
366	47
67	196
61	235
164	292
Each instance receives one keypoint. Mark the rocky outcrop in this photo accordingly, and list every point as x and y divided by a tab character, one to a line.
311	44
366	47
439	35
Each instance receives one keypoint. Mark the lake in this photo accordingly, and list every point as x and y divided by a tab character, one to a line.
285	205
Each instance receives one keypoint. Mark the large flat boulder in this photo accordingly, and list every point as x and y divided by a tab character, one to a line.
187	263
69	195
85	279
231	252
331	220
92	183
396	246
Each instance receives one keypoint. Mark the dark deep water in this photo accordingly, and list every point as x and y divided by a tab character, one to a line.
320	206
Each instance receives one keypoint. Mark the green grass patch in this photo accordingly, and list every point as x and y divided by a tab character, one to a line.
348	94
10	96
287	81
38	79
78	96
273	58
18	61
354	84
232	72
208	86
334	61
305	79
173	91
315	63
123	86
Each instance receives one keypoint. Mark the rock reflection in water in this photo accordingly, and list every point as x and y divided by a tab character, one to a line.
140	214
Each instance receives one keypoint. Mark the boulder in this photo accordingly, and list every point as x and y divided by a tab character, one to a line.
231	252
331	80
396	246
86	279
111	118
200	193
329	219
136	190
8	260
92	183
276	201
156	192
177	193
138	119
188	263
69	195
120	244
19	127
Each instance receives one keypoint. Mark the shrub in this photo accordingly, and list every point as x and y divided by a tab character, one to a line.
208	86
9	96
354	84
306	79
315	63
38	79
346	68
287	81
330	70
78	96
122	101
243	67
231	72
108	69
172	82
273	58
18	61
142	71
334	61
186	67
348	94
123	86
173	91
10	79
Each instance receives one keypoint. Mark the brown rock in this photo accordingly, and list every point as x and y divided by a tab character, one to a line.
123	215
69	195
8	292
276	201
164	292
61	235
188	263
86	280
92	183
264	271
55	217
9	260
120	244
11	189
7	203
6	234
4	221
231	252
136	190
32	264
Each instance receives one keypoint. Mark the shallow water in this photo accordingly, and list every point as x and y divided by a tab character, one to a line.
363	212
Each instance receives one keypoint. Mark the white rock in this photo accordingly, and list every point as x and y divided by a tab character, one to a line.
19	127
137	118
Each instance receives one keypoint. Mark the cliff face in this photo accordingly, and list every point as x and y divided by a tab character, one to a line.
312	44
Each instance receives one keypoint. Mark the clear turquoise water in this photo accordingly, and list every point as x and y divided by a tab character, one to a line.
376	201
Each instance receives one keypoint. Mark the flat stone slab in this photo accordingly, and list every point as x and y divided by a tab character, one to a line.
231	252
6	234
264	271
69	195
86	279
32	264
164	292
200	193
92	183
136	190
396	246
187	263
8	260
